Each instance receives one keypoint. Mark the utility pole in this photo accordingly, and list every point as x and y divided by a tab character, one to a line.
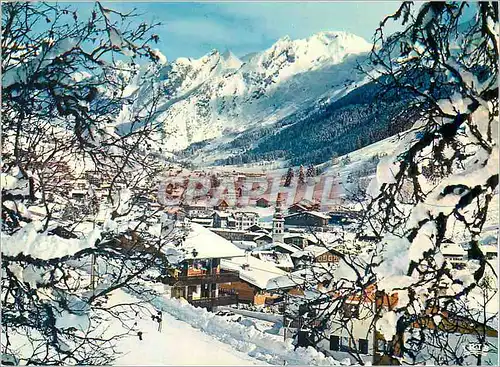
92	273
375	359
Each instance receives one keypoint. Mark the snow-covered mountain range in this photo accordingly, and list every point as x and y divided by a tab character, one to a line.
219	95
221	109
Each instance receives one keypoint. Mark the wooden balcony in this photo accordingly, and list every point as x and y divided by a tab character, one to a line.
209	303
222	277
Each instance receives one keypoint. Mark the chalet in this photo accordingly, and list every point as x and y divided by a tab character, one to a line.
197	209
299	240
245	220
489	251
342	217
222	205
263	203
223	220
257	228
323	255
263	239
307	219
455	254
254	276
173	192
315	254
303	206
81	184
79	194
141	199
93	177
296	208
198	278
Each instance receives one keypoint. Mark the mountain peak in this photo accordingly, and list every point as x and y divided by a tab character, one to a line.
287	57
230	60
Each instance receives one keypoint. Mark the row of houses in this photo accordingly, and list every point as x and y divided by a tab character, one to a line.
302	214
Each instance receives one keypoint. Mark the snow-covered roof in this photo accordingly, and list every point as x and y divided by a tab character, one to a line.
313	213
230	230
258	227
319	214
299	205
262	236
488	249
257	273
222	214
202	220
306	202
277	258
245	214
270	246
292	235
245	245
313	250
208	244
453	249
299	277
38	210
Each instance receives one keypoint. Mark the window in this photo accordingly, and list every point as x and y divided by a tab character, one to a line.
363	346
381	345
334	342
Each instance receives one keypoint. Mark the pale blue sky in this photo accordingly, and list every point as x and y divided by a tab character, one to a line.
194	29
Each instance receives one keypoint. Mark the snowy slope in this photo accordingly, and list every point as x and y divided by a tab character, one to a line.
263	346
176	344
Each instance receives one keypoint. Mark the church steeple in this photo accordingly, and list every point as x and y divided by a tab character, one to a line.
278	225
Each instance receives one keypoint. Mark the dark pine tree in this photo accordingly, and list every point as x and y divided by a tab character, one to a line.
311	171
301	175
289	177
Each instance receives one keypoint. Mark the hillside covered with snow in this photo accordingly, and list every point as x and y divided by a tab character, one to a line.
218	107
